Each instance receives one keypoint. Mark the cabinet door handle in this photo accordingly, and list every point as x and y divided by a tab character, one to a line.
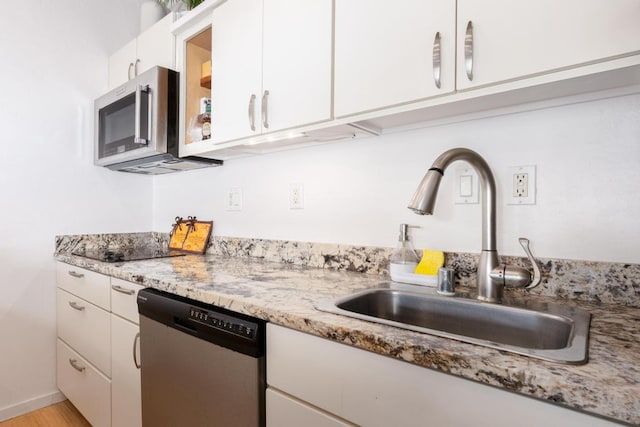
76	275
122	290
252	112
74	363
135	353
468	50
265	107
75	305
135	68
129	71
437	63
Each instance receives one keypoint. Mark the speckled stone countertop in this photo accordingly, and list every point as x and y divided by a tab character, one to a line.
609	385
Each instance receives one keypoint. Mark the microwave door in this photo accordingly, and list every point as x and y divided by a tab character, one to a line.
125	127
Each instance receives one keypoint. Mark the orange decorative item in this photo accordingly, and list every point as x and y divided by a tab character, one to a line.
190	235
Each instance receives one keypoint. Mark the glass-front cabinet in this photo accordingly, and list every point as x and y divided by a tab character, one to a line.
193	49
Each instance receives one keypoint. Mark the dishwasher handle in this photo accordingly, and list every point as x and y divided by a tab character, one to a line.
182	324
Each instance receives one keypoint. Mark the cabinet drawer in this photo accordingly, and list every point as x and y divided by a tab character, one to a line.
84	386
285	411
88	285
123	299
86	328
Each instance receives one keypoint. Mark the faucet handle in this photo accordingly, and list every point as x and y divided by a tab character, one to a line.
535	280
518	277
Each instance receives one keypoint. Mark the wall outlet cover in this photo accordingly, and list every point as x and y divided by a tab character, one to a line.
521	185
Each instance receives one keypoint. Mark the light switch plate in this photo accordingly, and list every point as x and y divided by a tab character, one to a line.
233	200
466	187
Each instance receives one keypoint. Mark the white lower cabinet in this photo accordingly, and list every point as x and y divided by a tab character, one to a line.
98	349
368	389
84	385
125	379
125	355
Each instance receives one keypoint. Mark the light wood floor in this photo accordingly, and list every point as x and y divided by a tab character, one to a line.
62	414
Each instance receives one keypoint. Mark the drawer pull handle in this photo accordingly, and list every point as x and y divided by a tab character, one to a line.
468	51
437	62
74	363
75	305
135	353
76	275
122	290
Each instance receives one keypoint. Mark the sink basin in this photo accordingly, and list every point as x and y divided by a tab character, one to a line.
542	330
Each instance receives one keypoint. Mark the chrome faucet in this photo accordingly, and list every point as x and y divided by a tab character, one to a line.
492	276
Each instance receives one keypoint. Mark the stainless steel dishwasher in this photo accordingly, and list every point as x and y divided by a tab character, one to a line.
201	365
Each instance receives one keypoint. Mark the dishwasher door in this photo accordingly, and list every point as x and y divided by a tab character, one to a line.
189	380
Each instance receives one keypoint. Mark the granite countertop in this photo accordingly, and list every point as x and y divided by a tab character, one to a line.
284	294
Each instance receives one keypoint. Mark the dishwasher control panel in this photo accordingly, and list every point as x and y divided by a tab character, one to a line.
223	322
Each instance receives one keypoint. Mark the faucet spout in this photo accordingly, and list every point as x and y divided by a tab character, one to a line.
423	202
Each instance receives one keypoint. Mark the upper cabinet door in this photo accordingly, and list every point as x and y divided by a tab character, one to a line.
236	70
156	46
296	69
121	64
385	51
515	39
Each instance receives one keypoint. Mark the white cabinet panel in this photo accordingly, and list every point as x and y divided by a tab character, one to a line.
84	385
285	411
88	285
86	328
121	64
384	53
124	299
514	39
125	377
236	70
154	46
296	67
373	390
271	66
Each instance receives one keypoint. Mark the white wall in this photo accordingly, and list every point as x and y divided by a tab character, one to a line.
588	165
54	63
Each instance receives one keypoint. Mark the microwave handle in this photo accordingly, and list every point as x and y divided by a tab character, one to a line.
138	114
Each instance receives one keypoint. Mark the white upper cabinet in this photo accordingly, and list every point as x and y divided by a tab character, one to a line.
236	69
296	67
387	53
155	46
517	39
271	66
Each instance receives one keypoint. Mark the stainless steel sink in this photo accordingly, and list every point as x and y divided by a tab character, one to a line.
546	331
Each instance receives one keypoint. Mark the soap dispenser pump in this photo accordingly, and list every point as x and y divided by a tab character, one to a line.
404	258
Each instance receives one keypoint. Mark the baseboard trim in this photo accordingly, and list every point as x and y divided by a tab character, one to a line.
22	408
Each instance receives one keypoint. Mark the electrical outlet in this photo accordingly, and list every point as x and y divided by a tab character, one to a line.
522	185
296	196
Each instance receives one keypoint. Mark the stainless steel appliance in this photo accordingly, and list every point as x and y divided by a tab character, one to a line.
201	365
136	126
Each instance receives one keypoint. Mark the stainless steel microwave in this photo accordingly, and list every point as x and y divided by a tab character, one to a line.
136	127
